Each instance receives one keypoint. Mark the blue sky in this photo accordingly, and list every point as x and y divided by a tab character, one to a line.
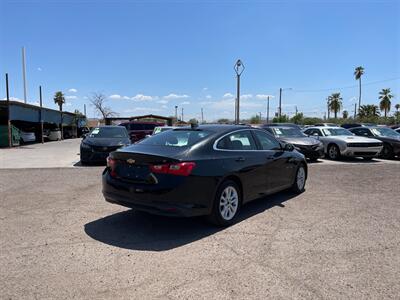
148	56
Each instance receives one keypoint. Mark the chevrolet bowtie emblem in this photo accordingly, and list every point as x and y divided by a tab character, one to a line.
130	161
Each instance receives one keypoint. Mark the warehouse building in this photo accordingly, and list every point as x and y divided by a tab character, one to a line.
17	118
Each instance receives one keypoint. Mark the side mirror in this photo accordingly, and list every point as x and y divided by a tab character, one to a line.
288	147
84	136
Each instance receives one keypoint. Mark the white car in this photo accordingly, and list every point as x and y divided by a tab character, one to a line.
26	137
339	142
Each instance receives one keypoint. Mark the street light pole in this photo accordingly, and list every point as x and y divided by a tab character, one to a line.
202	116
176	113
182	114
268	110
239	68
280	101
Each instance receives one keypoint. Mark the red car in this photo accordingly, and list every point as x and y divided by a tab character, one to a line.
138	130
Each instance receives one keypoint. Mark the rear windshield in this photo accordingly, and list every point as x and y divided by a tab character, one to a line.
336	131
385	132
176	138
108	132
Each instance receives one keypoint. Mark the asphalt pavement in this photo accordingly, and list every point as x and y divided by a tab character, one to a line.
338	240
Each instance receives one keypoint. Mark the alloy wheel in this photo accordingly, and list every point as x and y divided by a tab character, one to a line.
333	152
228	203
301	178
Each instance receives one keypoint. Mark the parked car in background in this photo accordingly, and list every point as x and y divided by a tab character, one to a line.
354	125
27	137
52	134
139	130
310	147
327	124
397	130
283	124
96	145
389	137
83	130
339	142
159	129
206	170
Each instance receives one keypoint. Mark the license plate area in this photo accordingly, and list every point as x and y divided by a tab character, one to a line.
138	173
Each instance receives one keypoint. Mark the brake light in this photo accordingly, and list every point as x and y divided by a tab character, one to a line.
179	169
111	163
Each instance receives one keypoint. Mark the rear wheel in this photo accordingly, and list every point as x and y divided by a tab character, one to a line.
226	204
367	158
333	152
300	180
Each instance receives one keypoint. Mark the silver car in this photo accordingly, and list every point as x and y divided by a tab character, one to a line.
339	142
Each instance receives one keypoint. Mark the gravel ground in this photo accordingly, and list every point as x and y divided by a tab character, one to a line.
338	240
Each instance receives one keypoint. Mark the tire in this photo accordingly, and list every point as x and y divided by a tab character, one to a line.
367	158
387	152
226	204
313	159
299	180
333	152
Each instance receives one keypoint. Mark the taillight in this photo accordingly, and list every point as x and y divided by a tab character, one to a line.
180	169
111	163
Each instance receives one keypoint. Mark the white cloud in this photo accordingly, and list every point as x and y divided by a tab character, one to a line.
208	97
67	104
126	98
264	97
164	106
39	69
115	96
141	97
230	103
185	103
206	102
228	95
205	88
162	101
85	97
176	96
71	97
14	99
72	90
246	96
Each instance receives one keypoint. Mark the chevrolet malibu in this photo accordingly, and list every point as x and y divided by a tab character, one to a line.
202	170
341	142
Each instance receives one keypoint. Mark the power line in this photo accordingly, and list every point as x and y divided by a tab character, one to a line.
344	87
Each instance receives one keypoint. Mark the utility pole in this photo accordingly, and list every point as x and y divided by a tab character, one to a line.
84	109
296	110
267	109
260	116
239	68
24	73
182	114
8	113
41	114
202	116
327	104
280	103
176	113
355	110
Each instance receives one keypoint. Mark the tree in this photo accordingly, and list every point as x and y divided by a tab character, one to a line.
59	99
224	121
358	73
345	114
98	100
368	111
193	121
281	119
297	118
255	119
397	107
335	103
385	103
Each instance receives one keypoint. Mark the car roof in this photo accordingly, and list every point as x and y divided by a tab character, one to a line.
218	128
325	127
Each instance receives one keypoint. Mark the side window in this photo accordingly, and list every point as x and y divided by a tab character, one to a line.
316	131
242	140
149	126
356	131
267	142
364	132
136	126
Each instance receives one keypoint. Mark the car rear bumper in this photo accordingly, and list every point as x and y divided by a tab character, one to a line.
187	200
362	151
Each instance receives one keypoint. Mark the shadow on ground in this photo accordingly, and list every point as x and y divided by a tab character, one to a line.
141	231
79	164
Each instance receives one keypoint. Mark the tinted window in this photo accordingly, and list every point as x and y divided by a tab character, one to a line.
242	140
149	126
336	131
385	132
266	141
313	131
136	126
176	138
108	132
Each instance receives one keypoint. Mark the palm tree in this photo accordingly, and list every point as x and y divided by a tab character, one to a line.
358	72
385	96
345	114
59	99
368	111
335	103
397	107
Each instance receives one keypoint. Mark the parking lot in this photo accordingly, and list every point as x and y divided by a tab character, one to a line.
60	239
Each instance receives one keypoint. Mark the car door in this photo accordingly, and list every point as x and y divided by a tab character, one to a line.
242	156
278	167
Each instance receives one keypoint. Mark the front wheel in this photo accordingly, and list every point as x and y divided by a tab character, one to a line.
333	152
226	204
300	180
387	152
